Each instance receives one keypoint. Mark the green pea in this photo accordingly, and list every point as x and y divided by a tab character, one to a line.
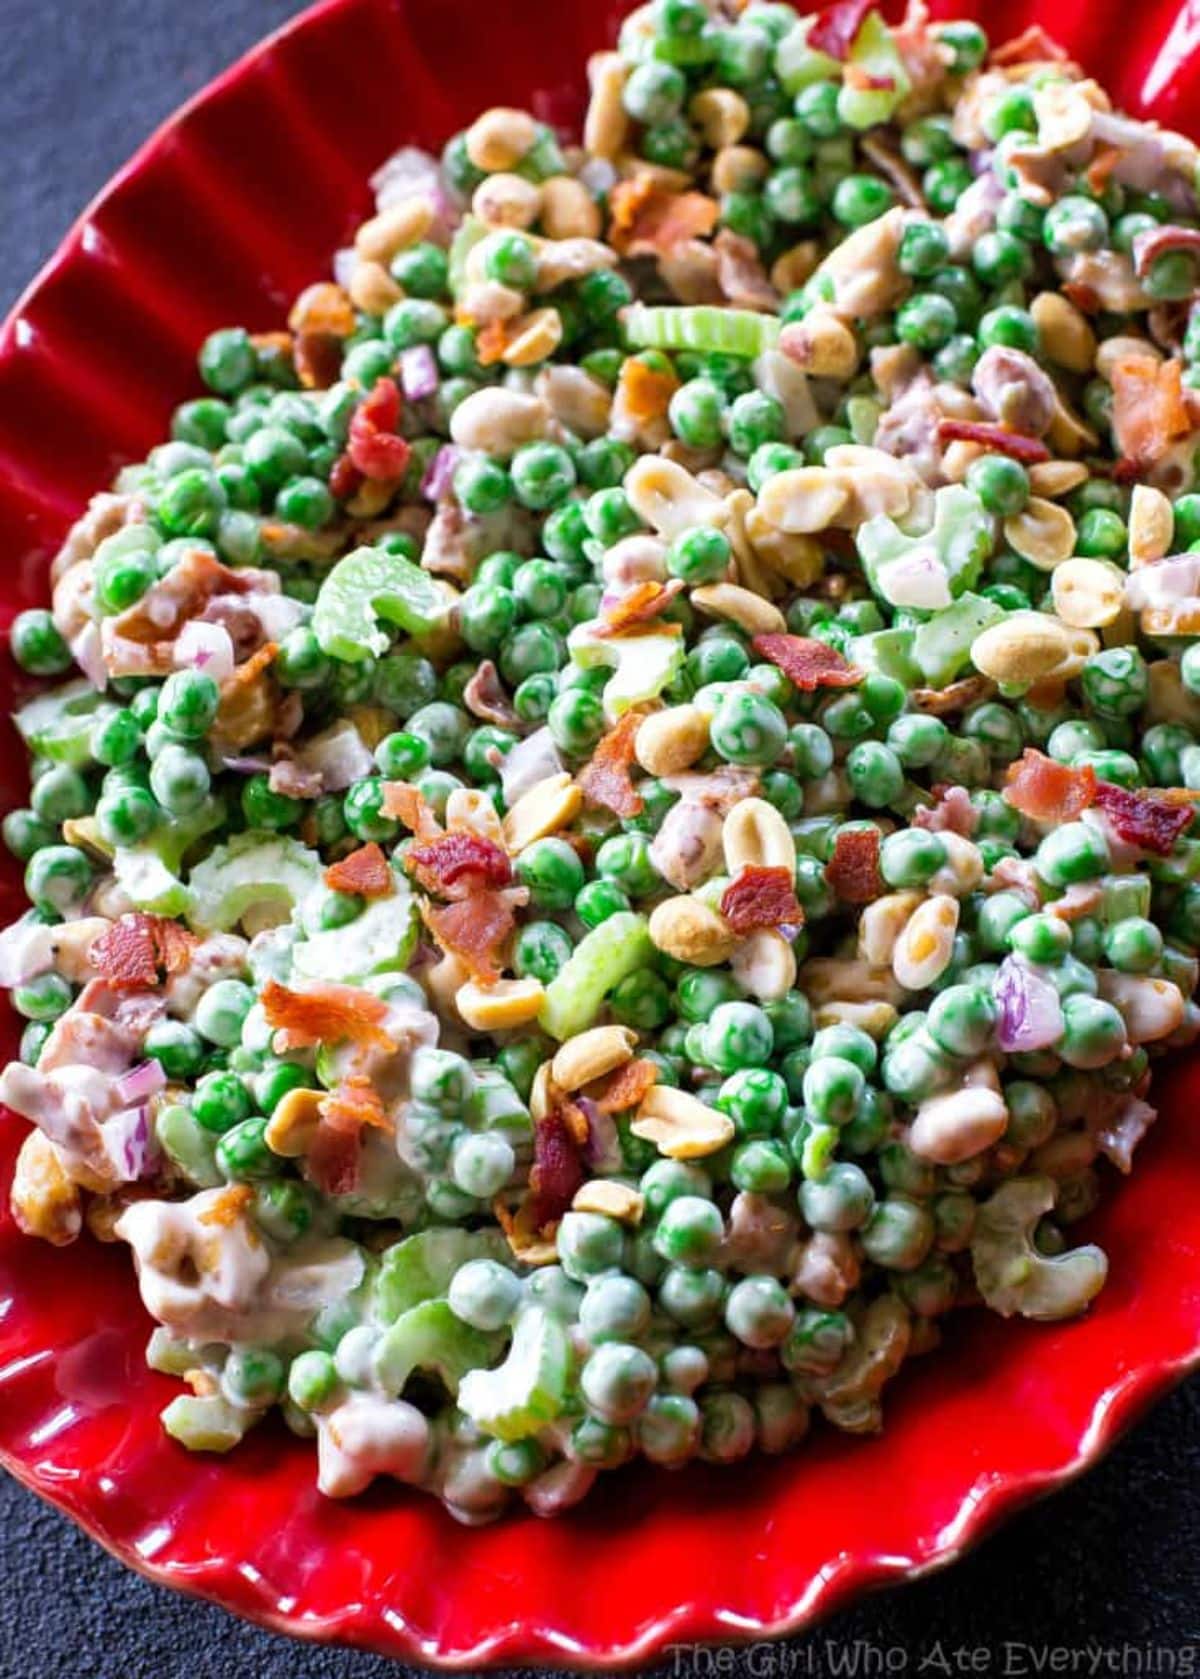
552	871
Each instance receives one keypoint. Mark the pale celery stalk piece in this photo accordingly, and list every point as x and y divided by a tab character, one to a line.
363	588
254	869
701	326
601	959
528	1389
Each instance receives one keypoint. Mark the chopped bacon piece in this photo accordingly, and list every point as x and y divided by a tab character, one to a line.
328	1014
740	273
455	865
491	343
833	29
373	446
229	1206
806	662
1031	46
183	593
138	949
1047	791
606	780
761	897
1149	412
484	696
952	814
644	391
1101	167
474	929
939	702
318	359
627	1086
335	1154
365	872
853	870
643	602
1152	824
1156	241
557	1170
345	480
648	219
403	802
1029	450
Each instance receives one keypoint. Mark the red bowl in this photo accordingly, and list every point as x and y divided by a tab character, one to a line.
232	207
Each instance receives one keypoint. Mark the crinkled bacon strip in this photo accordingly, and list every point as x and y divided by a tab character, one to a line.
557	1170
627	1086
1001	441
474	929
853	870
364	872
606	780
335	1154
1141	819
455	865
138	949
644	602
403	803
761	897
806	662
1047	791
327	1014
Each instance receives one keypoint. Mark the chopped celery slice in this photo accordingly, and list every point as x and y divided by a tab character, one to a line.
942	646
59	724
701	326
430	1337
421	1267
366	586
149	884
642	665
254	869
468	234
383	937
189	1147
925	572
886	82
601	959
528	1389
890	652
797	64
206	1424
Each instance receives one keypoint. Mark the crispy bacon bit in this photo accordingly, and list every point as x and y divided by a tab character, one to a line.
761	897
1101	167
403	802
857	76
364	872
335	1154
474	929
373	446
953	813
939	702
643	602
455	865
1140	819
228	1207
1149	412
328	1014
806	662
644	391
853	870
183	593
484	696
138	949
648	219
1031	46
1156	241
606	780
999	439
1047	791
627	1086
833	29
491	343
345	480
740	273
557	1170
318	359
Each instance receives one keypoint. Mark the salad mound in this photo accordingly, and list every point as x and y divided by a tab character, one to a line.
612	830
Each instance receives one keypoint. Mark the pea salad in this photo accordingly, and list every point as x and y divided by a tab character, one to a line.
612	818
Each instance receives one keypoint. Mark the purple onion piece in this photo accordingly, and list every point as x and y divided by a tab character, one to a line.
141	1082
1030	1013
418	372
439	473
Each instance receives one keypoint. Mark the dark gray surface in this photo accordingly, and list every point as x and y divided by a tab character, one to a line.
1104	1579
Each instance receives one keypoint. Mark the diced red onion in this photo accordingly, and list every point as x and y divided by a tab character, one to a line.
208	647
439	472
602	1151
141	1082
241	765
1031	1015
418	372
338	755
530	761
130	1144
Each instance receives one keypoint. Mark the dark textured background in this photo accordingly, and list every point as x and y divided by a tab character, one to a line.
1102	1579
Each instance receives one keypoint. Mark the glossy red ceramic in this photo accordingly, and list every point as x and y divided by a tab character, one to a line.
222	217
